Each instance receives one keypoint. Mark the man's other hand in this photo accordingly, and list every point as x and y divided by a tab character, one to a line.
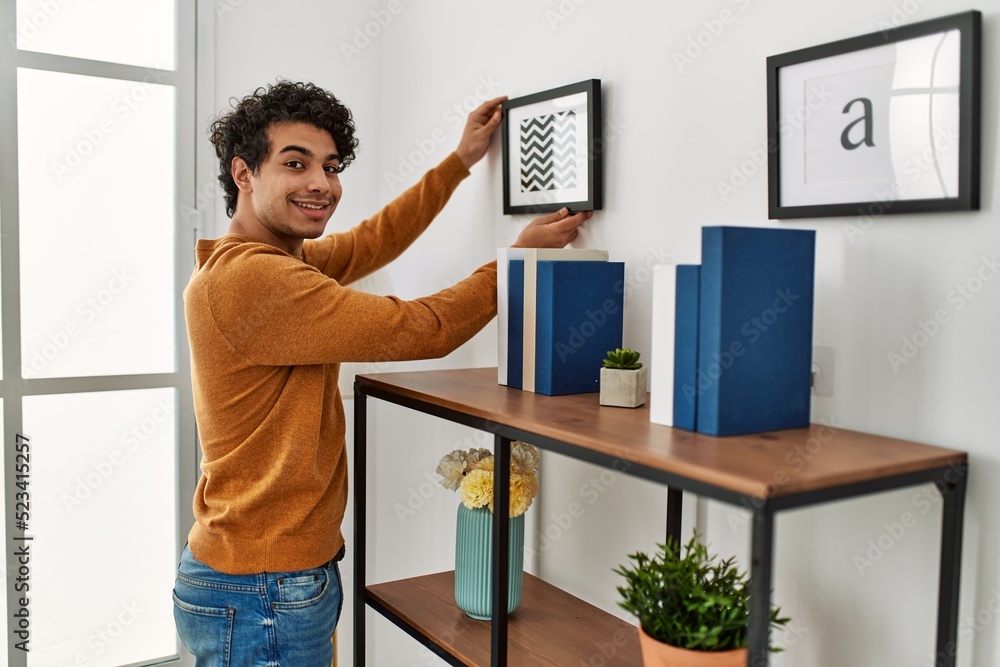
479	129
551	231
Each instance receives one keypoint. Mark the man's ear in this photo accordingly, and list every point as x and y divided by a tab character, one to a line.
241	174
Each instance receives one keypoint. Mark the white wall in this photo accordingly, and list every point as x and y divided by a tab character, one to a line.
677	133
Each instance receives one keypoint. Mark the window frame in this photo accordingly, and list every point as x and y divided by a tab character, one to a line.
189	15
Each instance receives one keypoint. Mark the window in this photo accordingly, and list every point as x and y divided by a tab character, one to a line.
96	170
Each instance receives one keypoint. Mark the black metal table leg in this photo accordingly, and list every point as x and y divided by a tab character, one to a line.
952	490
360	497
501	548
762	547
675	503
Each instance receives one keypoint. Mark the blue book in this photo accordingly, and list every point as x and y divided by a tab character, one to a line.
504	257
686	347
578	318
531	258
515	323
755	329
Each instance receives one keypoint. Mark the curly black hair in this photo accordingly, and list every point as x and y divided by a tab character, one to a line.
243	130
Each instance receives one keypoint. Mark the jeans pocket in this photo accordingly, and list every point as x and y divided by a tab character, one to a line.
206	631
302	590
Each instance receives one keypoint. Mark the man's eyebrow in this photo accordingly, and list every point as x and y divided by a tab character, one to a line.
305	151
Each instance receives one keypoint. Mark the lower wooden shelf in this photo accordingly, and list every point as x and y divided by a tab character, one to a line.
550	628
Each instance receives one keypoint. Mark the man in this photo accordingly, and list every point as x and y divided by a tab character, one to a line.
270	320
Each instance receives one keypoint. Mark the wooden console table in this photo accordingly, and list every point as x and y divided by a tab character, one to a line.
764	473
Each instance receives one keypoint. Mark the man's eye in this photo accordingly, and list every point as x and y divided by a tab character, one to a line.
334	168
294	164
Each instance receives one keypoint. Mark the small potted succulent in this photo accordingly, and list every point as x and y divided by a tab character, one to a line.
692	606
623	379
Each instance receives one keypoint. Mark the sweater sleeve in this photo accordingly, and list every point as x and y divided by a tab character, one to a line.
278	311
352	255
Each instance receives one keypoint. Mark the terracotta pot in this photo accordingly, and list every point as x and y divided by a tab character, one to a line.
657	654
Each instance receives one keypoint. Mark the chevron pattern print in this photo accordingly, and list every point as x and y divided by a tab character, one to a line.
548	152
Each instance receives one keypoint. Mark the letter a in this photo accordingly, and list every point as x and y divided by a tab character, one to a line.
845	140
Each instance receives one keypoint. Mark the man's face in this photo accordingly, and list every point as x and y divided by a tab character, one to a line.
297	187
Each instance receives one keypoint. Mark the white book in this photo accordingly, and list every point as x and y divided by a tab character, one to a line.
531	258
661	360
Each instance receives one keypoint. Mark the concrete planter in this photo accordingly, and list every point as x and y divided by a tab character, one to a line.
623	388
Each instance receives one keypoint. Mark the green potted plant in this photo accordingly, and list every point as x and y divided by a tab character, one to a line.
692	606
623	379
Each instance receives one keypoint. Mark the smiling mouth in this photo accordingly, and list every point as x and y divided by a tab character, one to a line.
311	207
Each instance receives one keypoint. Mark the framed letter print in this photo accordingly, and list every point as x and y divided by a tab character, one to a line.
552	150
882	123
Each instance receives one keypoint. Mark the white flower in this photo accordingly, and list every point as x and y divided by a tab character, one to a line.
452	469
524	458
474	456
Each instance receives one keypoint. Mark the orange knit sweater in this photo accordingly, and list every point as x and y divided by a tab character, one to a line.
268	332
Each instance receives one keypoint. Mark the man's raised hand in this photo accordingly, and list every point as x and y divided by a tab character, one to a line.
551	231
479	129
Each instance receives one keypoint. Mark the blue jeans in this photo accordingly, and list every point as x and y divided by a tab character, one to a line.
272	619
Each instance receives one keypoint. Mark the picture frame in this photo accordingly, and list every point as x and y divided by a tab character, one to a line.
552	150
883	123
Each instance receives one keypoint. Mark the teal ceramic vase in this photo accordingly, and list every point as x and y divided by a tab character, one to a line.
473	549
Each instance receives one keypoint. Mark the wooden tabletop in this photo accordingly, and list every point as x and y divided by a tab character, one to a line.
762	465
